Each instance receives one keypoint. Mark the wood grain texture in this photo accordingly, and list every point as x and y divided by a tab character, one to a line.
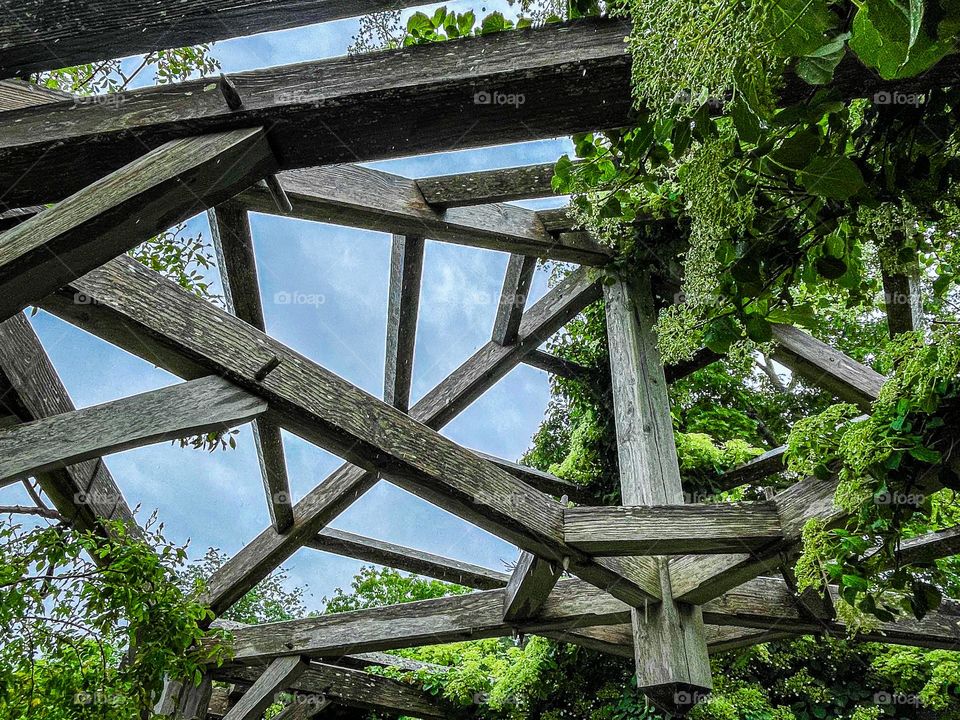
513	298
826	366
530	585
543	481
84	492
52	34
403	308
325	409
352	688
672	529
375	200
117	212
184	700
207	405
672	661
408	559
444	402
557	366
903	301
488	186
574	77
278	676
233	243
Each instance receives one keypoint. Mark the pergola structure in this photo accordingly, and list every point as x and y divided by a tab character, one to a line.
657	580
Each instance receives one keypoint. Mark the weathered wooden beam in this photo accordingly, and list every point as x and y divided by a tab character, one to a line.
530	585
408	559
901	294
673	666
375	200
543	481
184	701
513	298
279	675
117	212
207	405
672	529
557	366
488	186
444	402
571	77
930	546
53	34
403	307
233	243
826	366
754	470
82	493
321	407
352	688
557	220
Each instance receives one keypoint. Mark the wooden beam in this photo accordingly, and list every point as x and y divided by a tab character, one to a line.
557	366
754	470
826	367
55	34
408	559
206	405
513	298
572	77
353	688
117	212
184	700
543	481
673	666
403	306
375	200
930	546
672	529
233	242
269	549
901	294
84	492
321	407
488	186
278	676
530	585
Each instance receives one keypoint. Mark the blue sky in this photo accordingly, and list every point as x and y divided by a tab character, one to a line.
217	500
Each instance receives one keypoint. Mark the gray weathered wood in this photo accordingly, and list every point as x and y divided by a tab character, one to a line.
557	366
52	34
557	220
826	366
278	676
488	186
903	302
372	199
408	559
321	407
206	405
531	583
513	298
673	666
260	557
119	211
753	471
403	307
930	546
573	76
672	529
184	701
543	481
233	241
352	688
84	492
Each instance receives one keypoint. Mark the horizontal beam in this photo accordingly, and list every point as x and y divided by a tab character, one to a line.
53	34
672	529
488	186
374	200
407	559
129	206
322	408
210	404
543	481
572	77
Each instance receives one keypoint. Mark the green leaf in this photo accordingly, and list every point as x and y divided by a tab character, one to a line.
758	329
855	582
800	26
835	177
888	36
817	67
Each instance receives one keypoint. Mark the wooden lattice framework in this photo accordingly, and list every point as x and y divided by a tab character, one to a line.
660	581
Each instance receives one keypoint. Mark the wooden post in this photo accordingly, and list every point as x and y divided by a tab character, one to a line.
673	668
278	675
406	268
513	298
901	295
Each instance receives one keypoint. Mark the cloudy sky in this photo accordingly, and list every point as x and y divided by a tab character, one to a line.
217	500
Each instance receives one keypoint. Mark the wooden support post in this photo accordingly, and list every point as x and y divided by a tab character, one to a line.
901	293
513	298
119	211
184	701
403	306
673	666
531	583
278	676
233	241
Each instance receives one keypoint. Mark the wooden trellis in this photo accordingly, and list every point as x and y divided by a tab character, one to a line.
658	580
